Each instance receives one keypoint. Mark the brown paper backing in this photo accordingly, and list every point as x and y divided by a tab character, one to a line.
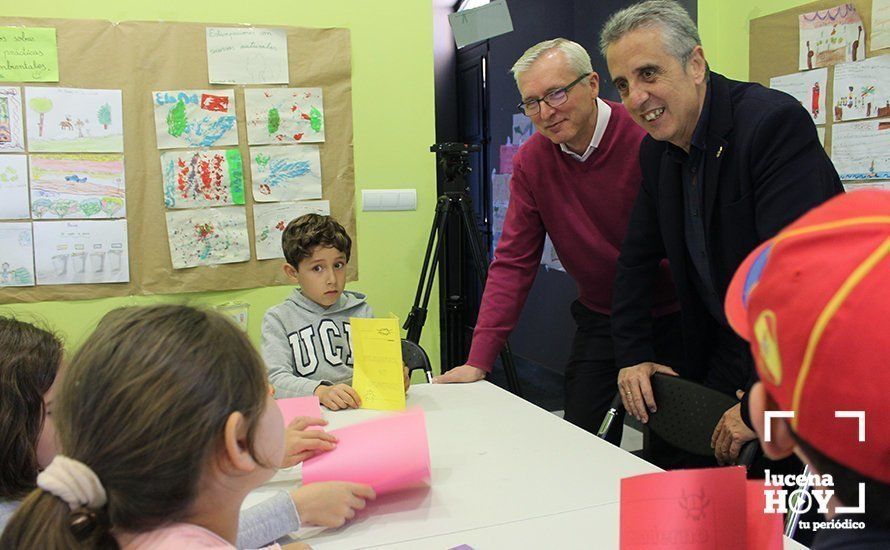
139	58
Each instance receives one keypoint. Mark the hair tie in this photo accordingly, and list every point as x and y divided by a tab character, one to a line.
74	482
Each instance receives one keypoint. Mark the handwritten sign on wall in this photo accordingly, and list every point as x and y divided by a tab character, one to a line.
28	54
247	55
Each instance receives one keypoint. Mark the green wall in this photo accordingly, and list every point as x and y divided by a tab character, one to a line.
393	114
723	26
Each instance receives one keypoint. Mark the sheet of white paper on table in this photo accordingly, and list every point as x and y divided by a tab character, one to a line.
247	55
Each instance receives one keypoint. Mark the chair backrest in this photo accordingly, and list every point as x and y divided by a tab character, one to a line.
688	413
415	358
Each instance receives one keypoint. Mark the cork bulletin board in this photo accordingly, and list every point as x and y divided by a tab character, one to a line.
139	58
774	49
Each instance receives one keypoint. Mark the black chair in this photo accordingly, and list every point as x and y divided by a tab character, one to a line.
416	358
686	416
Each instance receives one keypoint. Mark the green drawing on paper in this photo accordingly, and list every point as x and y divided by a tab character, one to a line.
104	115
176	119
274	120
41	105
236	175
315	119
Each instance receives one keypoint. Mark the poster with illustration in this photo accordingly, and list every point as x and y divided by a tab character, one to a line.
208	236
81	251
808	87
14	203
195	179
62	120
77	185
270	219
859	150
195	118
16	254
285	172
284	115
12	135
862	89
831	36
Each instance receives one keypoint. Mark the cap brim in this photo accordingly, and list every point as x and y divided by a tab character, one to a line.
743	283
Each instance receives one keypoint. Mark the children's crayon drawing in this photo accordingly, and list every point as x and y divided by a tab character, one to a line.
61	120
862	89
284	115
14	203
285	173
202	178
808	87
195	118
831	36
77	186
208	236
81	251
859	150
270	219
12	136
16	254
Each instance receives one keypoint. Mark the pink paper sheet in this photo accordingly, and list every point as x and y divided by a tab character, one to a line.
764	530
389	454
684	509
293	407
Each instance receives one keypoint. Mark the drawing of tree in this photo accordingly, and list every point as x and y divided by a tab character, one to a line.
41	105
274	120
104	115
176	119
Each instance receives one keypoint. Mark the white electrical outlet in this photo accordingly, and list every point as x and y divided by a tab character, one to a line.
389	199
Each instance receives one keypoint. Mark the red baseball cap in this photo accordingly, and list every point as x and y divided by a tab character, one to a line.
814	303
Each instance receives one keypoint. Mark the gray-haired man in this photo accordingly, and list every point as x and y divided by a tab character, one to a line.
575	180
726	165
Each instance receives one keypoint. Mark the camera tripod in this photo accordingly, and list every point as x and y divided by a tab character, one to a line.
454	201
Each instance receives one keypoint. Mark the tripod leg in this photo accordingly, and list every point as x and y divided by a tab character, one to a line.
417	317
474	239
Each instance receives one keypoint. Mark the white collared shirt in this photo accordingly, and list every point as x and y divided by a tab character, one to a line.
604	112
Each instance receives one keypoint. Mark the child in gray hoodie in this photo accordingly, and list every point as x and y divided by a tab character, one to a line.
306	339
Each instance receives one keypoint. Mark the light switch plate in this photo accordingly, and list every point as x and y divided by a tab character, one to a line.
389	199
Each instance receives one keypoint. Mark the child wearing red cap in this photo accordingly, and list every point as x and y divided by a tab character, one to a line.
814	304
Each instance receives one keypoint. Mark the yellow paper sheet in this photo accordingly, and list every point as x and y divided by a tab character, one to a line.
28	54
378	378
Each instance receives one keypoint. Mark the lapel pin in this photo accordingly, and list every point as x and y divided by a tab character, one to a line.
719	151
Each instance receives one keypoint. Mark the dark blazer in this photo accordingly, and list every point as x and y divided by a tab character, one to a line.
764	168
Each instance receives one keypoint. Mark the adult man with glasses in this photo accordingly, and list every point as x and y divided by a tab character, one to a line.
726	165
575	179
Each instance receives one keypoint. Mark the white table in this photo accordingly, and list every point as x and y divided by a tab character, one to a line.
505	474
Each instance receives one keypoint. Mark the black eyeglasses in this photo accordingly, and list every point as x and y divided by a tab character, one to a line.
555	98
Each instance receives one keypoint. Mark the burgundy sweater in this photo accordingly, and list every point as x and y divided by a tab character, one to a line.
584	207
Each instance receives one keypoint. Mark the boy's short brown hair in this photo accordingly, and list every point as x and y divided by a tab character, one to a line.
303	234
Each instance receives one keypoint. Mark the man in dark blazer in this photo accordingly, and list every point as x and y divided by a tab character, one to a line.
725	166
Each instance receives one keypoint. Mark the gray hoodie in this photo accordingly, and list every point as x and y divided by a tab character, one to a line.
305	344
